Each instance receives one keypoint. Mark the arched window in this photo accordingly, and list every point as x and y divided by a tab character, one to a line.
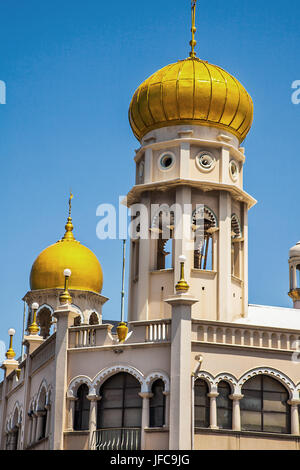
224	406
201	404
42	415
236	234
13	436
204	223
82	409
120	405
44	320
163	228
93	320
264	406
77	321
157	404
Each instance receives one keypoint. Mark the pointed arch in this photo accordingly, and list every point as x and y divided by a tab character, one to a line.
94	318
42	394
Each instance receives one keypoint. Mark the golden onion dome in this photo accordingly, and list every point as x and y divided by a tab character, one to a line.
191	91
48	269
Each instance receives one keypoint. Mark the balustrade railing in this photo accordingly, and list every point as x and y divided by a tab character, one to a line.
85	337
240	336
116	439
158	331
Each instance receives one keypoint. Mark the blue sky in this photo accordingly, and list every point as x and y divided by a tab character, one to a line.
71	67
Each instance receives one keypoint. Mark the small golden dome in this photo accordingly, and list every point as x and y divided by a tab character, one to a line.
191	91
48	269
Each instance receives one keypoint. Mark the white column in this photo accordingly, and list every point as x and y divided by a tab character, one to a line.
141	301
184	160
213	410
294	404
39	427
30	425
145	415
93	416
294	271
34	428
148	166
183	244
224	258
167	408
65	315
180	434
71	414
224	167
244	272
48	408
236	412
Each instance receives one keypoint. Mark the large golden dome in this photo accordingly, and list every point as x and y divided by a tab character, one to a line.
47	270
191	91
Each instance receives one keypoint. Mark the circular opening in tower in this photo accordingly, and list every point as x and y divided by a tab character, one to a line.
166	161
205	161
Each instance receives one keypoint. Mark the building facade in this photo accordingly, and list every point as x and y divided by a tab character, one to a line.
196	367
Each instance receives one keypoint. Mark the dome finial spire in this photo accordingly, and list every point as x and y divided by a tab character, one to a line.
70	202
69	226
193	30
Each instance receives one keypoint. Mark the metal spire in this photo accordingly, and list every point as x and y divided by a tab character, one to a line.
123	280
193	30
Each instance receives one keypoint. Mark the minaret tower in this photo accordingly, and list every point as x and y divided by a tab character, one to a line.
294	264
190	118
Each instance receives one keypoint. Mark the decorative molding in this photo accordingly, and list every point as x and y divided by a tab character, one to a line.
156	375
90	312
166	209
43	386
104	374
75	384
208	212
208	378
230	379
276	374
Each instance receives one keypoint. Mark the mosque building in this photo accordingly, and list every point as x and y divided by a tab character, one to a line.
195	366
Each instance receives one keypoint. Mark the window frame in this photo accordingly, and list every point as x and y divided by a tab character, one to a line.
263	412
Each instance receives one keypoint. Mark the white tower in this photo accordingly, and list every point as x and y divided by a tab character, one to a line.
294	264
190	118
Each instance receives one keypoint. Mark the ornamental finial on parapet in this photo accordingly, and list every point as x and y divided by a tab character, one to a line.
182	286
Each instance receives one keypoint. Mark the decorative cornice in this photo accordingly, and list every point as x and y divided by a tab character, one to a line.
239	194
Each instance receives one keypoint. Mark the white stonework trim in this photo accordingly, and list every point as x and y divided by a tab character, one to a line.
31	405
43	386
90	313
230	379
104	374
48	395
45	306
276	374
208	378
208	212
155	375
163	208
79	312
10	422
75	384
